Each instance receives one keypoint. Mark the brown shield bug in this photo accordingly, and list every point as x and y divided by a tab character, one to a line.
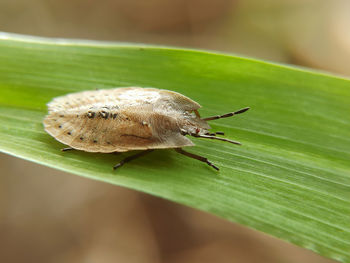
126	119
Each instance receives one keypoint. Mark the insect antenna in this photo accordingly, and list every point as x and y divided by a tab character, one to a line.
215	133
225	115
214	138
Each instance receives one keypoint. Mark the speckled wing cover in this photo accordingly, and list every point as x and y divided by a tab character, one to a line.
117	120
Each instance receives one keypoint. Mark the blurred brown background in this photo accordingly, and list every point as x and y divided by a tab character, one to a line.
51	216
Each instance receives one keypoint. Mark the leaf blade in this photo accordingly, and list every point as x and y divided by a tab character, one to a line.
291	177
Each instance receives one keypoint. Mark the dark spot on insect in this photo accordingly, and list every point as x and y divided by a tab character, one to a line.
114	115
81	138
105	107
104	114
60	126
67	103
94	141
54	120
108	142
77	115
69	133
127	118
91	114
61	116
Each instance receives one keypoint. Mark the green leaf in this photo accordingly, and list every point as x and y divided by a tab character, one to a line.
290	178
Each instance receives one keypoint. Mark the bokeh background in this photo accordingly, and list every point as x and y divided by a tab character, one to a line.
51	216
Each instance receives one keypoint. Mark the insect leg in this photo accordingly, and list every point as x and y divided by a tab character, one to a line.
67	149
132	157
197	157
225	115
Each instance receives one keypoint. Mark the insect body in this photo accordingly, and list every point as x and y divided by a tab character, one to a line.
125	119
